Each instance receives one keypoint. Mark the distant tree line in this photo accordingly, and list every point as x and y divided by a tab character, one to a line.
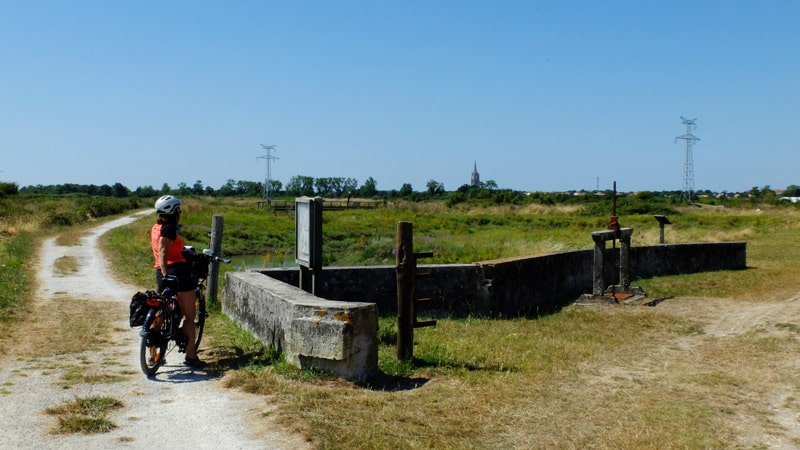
298	185
486	192
117	190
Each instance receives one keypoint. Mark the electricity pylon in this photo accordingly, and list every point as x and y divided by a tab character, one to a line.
269	157
688	164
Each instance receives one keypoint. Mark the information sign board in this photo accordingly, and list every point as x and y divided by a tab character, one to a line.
308	232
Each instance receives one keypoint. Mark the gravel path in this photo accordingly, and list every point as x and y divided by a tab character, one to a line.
178	409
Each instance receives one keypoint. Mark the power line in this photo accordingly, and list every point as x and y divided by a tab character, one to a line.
688	164
269	157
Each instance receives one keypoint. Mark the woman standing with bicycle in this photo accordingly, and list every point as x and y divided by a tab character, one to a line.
169	260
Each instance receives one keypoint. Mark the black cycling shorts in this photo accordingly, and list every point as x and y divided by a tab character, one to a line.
186	281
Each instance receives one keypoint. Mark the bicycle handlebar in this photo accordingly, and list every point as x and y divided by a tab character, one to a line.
210	254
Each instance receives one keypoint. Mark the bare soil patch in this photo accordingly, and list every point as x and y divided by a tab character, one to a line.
743	362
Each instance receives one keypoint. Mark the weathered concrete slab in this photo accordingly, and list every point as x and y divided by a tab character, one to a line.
311	331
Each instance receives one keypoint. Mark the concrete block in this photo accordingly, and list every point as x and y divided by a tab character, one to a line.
341	337
318	338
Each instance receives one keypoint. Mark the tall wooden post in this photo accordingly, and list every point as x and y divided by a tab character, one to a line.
216	247
406	281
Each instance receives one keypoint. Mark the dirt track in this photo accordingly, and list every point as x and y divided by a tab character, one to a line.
178	409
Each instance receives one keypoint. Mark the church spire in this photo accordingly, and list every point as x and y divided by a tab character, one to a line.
475	179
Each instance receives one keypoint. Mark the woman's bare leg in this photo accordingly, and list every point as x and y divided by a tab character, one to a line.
186	300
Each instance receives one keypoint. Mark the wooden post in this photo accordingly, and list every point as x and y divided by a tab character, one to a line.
216	247
406	280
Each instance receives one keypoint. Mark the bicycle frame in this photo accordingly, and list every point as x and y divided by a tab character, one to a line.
162	324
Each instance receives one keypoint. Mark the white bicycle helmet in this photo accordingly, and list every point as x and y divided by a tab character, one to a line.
168	204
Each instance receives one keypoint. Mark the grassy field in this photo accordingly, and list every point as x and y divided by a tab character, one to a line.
606	377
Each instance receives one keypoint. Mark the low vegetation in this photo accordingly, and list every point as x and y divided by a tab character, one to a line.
86	415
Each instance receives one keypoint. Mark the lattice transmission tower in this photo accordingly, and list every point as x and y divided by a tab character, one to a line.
269	157
688	164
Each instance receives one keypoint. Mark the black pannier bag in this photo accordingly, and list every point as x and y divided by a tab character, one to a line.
197	262
139	307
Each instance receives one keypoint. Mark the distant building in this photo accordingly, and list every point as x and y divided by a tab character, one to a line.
475	179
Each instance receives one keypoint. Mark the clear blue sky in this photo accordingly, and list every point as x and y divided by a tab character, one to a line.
543	95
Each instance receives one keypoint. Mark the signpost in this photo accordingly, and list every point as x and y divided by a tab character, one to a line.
308	240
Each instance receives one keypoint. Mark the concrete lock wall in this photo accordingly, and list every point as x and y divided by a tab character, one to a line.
454	287
284	316
512	287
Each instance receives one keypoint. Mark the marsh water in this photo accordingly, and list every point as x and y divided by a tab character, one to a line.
244	262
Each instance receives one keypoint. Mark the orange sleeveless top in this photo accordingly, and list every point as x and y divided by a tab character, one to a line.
174	254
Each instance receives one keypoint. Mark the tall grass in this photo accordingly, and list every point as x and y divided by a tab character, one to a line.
17	277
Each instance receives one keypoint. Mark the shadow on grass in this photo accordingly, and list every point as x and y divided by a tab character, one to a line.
387	382
391	383
234	358
452	364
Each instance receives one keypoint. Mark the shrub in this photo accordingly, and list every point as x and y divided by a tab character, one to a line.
8	189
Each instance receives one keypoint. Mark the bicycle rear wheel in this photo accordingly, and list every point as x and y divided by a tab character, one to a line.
200	318
153	349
